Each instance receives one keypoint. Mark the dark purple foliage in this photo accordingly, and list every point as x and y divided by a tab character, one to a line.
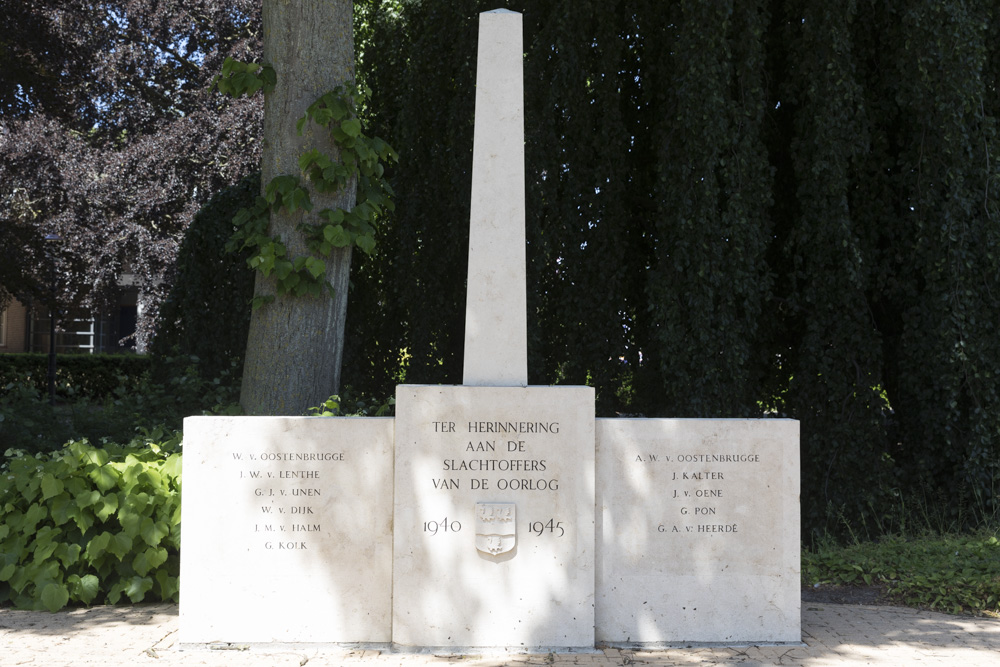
111	139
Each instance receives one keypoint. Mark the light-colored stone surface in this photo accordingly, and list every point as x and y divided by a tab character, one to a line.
833	635
496	348
698	530
450	456
287	529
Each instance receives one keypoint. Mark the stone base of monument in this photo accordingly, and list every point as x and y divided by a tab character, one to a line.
494	517
286	530
477	519
697	531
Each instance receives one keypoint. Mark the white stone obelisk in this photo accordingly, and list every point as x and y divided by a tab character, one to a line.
496	339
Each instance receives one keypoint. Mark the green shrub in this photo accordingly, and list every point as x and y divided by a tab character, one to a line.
349	404
29	424
90	376
207	313
90	525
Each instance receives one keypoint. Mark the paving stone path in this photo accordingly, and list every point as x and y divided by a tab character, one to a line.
833	634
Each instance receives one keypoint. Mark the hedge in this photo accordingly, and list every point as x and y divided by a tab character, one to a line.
92	376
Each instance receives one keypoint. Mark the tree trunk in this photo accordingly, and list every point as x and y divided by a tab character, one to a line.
295	343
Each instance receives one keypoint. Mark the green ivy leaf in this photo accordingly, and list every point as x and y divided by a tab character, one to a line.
148	560
104	477
87	498
50	486
119	545
84	588
137	588
315	267
107	506
68	554
337	236
153	531
54	596
351	127
169	585
98	546
269	78
366	243
299	200
34	514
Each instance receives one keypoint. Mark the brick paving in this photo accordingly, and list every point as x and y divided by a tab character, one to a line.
833	634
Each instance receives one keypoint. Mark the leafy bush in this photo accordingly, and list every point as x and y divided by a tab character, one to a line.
350	405
90	525
956	574
29	424
90	376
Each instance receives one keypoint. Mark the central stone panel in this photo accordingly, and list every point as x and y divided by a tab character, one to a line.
494	517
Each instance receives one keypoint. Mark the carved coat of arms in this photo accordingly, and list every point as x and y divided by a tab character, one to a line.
495	528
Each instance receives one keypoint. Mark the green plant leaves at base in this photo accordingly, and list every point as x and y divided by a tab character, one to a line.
83	588
54	596
50	554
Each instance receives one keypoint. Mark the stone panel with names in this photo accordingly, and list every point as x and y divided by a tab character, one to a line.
494	522
698	531
287	530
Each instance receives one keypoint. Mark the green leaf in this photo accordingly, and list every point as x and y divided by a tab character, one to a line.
137	588
307	158
366	243
172	466
54	596
131	474
351	127
68	554
131	521
315	267
87	498
34	514
169	585
333	215
98	546
337	236
299	200
104	477
153	531
50	486
148	560
84	588
268	77
280	186
107	506
63	508
119	545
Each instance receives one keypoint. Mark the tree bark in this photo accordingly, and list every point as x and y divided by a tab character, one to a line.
295	343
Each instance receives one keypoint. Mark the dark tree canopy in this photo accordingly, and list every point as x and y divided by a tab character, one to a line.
111	138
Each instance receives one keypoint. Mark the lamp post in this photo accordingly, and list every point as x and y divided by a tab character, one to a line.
51	238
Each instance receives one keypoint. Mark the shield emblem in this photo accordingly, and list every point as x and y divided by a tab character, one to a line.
495	528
